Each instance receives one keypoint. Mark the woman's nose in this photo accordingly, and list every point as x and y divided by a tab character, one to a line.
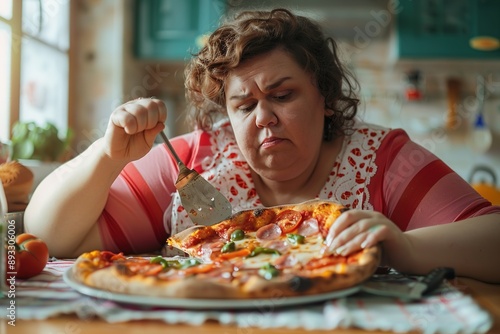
265	115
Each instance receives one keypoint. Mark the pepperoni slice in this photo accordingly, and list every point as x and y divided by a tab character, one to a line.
146	269
288	220
325	262
281	246
286	261
207	249
268	232
308	227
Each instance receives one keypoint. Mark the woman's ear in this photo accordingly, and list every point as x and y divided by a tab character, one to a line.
328	129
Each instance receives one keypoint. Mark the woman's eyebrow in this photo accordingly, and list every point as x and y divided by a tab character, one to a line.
277	83
268	87
240	97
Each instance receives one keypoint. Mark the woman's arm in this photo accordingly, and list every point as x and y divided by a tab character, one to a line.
471	246
65	207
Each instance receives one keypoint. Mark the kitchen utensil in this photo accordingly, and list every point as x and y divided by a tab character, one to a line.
490	190
484	43
481	134
204	204
408	289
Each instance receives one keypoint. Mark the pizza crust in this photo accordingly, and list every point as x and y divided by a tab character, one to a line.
321	280
109	279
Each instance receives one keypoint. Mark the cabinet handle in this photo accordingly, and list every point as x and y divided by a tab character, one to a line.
484	43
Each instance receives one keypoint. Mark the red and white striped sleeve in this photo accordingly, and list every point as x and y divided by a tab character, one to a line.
414	188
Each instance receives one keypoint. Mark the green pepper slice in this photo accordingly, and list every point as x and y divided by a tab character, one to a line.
228	247
296	239
189	263
175	263
268	271
237	235
165	263
263	250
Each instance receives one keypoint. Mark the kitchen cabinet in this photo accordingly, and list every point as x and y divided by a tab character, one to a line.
444	28
173	29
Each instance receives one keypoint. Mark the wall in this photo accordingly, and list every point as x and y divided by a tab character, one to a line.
107	74
98	67
383	81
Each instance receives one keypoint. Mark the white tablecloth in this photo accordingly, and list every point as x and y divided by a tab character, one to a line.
446	311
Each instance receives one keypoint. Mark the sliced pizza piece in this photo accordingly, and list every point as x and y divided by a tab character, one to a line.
307	218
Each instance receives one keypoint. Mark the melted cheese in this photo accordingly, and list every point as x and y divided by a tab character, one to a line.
247	242
259	261
303	253
309	250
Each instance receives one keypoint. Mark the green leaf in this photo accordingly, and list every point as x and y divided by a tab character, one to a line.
31	141
23	150
19	132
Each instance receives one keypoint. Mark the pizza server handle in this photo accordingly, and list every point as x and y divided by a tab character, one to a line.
183	170
171	148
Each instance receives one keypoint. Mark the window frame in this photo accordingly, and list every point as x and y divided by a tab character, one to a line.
15	23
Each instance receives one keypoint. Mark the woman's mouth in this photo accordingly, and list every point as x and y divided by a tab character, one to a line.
270	142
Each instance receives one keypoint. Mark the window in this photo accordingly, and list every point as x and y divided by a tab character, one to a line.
34	67
5	64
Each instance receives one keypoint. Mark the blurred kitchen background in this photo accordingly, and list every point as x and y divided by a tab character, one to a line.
431	67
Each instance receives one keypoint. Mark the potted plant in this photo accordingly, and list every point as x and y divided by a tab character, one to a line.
39	148
42	143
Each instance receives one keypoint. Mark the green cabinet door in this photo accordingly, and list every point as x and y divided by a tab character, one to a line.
444	28
173	29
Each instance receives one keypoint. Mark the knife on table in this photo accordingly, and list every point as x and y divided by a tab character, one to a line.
409	289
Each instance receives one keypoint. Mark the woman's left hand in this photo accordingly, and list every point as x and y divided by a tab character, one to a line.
358	229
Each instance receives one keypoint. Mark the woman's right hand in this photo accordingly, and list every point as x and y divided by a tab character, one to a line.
358	229
133	127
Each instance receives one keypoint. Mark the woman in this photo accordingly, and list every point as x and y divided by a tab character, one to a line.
274	111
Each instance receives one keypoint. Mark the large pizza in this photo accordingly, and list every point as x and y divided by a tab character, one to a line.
268	252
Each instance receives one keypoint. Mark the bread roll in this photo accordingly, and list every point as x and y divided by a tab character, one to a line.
17	181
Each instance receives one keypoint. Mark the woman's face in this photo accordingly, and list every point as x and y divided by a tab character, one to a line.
277	114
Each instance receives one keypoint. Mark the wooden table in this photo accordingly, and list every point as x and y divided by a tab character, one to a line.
486	295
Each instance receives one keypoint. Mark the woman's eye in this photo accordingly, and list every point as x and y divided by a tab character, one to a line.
246	107
282	95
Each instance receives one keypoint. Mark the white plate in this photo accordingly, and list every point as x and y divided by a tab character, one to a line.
189	303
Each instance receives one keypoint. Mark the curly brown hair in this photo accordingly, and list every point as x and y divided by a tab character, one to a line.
253	33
